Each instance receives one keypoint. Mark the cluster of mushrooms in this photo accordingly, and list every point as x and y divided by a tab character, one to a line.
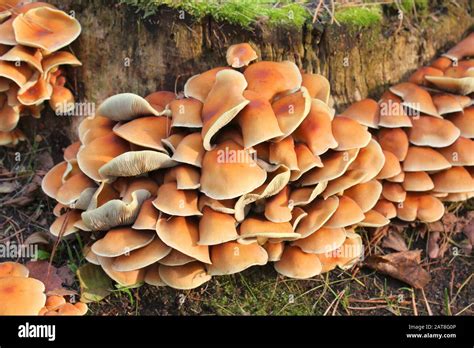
250	165
23	295
31	36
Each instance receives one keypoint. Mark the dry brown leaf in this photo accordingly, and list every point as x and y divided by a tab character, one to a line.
8	186
404	266
394	240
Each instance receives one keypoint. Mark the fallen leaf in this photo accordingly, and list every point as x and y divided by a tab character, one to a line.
95	284
39	270
395	241
404	266
8	186
433	245
66	275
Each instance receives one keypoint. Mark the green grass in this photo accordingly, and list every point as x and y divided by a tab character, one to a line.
360	17
245	13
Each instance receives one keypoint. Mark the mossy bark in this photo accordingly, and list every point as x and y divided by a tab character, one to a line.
121	51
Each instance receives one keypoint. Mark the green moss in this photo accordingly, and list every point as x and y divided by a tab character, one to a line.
408	6
360	17
239	12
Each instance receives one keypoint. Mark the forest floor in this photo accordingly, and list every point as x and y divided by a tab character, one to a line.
25	210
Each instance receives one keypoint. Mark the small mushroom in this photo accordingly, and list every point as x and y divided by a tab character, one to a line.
272	78
232	257
295	263
240	55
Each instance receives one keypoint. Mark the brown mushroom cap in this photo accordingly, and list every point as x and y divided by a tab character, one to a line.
35	91
291	110
335	164
65	224
449	103
306	161
240	55
392	113
147	216
145	131
94	155
316	129
272	78
216	227
13	269
391	166
464	48
347	213
233	257
199	86
347	255
349	179
7	34
56	59
365	195
128	279
460	153
434	132
464	121
18	74
318	87
176	258
182	234
142	257
424	159
229	171
186	113
190	150
225	206
185	277
322	241
417	181
386	208
274	250
426	208
257	120
21	296
152	276
318	213
415	97
393	192
224	101
394	140
370	160
278	207
453	180
365	112
295	263
283	152
29	55
46	28
160	100
418	77
53	180
173	201
349	134
120	241
256	226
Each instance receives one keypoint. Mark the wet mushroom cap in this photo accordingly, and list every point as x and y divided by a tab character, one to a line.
295	263
21	296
